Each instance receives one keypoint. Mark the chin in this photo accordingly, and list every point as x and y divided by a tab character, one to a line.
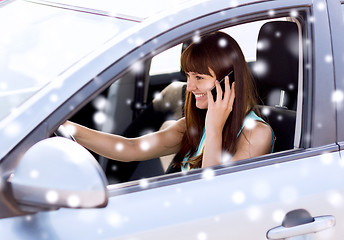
201	106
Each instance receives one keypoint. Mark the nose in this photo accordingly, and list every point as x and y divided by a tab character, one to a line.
191	84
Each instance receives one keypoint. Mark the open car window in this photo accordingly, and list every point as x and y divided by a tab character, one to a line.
138	103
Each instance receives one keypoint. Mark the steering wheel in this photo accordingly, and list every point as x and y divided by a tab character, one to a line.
62	132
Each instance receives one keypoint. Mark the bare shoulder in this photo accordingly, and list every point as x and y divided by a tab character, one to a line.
258	134
254	141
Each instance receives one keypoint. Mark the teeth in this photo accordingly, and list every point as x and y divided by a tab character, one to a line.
199	95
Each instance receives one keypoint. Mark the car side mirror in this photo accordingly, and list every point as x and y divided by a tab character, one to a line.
58	172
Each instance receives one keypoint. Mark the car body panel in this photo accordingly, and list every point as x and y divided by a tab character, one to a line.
163	211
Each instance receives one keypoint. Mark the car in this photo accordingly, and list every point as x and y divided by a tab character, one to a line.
114	67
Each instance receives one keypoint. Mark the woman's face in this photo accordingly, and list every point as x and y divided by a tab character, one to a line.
198	84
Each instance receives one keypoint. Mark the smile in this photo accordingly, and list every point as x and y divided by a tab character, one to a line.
199	95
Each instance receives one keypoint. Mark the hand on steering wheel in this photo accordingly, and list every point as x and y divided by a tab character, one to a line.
62	132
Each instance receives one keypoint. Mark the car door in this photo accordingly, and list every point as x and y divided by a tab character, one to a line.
250	200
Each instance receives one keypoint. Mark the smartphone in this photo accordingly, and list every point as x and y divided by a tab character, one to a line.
222	84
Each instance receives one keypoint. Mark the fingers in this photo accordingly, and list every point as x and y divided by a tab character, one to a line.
218	91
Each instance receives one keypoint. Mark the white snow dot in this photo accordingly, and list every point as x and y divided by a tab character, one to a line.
100	103
328	59
99	117
260	45
3	86
278	216
294	13
208	174
250	124
167	204
271	13
337	96
222	42
52	196
140	84
115	220
53	97
34	173
196	38
266	111
226	157
158	96
278	34
279	117
326	158
260	68
202	236
335	199
137	67
139	41
119	147
238	197
73	201
167	104
321	6
254	213
143	183
291	86
144	145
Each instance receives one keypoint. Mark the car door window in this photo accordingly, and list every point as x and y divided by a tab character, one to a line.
164	71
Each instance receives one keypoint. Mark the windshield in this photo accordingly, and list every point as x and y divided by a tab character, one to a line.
39	42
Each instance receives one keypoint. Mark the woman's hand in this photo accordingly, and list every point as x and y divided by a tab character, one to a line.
219	110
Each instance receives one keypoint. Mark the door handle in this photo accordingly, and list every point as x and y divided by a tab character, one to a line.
319	224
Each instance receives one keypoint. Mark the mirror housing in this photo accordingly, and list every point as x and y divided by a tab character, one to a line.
58	172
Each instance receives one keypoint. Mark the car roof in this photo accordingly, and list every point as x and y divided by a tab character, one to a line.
130	9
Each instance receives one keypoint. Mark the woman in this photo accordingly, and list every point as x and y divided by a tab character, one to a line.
211	129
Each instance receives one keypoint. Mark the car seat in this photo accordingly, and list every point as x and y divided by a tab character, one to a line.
276	71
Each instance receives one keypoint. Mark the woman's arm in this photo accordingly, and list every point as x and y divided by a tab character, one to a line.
123	149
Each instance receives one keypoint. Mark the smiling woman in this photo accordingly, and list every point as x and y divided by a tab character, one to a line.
211	129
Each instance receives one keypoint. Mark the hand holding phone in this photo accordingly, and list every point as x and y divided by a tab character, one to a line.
222	84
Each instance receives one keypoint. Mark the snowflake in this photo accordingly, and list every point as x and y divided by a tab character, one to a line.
238	197
73	201
100	103
223	43
202	236
143	183
34	173
99	117
52	196
208	174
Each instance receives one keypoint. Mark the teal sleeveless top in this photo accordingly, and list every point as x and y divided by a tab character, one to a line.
248	119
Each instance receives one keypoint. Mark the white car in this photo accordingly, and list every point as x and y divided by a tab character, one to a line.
101	63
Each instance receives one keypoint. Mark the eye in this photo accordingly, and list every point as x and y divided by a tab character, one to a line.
199	77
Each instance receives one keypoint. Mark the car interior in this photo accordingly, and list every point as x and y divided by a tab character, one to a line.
155	99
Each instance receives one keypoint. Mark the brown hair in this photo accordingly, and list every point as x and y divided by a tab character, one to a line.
221	53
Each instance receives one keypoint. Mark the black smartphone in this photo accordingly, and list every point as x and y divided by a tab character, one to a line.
222	84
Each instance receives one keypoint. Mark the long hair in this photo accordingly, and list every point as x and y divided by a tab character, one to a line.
221	53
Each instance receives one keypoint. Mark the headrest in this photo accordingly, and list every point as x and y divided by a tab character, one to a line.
278	56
